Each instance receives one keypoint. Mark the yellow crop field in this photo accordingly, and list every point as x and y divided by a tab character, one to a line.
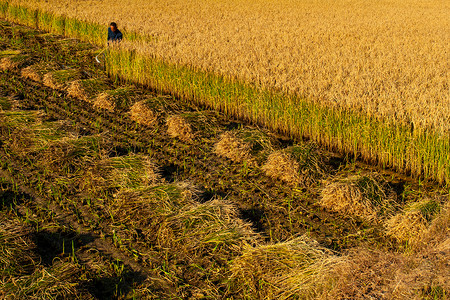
389	59
366	77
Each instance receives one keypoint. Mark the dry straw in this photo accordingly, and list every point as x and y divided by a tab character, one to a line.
299	268
232	147
296	165
419	223
104	101
76	90
31	73
7	64
142	114
178	127
365	196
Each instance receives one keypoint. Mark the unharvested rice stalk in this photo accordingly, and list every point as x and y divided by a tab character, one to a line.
298	268
410	225
104	101
30	73
365	196
77	90
7	64
232	147
178	127
142	114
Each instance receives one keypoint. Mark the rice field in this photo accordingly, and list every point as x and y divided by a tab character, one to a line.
112	190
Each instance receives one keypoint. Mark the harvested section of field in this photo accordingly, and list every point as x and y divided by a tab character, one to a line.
126	208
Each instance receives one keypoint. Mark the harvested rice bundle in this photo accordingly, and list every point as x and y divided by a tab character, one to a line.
366	196
178	127
204	229
410	225
103	101
60	79
111	100
142	114
7	64
11	59
86	90
130	171
16	256
31	73
296	165
244	145
299	268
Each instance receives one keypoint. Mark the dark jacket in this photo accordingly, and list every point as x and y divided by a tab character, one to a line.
114	36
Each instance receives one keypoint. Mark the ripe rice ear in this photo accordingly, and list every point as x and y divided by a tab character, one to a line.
178	127
367	196
232	147
104	101
142	114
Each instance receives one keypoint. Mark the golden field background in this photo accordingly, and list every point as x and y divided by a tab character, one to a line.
388	59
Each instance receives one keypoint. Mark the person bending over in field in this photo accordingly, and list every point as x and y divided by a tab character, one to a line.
114	34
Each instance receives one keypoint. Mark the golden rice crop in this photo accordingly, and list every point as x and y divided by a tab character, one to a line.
368	78
387	59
